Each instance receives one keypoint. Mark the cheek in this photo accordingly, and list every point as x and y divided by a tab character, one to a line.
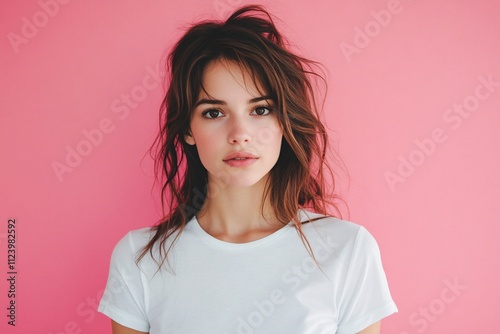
268	135
204	148
209	151
277	145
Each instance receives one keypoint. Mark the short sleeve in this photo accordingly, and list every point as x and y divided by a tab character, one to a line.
366	298
124	297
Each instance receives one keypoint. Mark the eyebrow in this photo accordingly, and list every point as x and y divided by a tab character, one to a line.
210	101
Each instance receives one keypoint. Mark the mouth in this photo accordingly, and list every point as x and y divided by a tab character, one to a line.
239	156
240	159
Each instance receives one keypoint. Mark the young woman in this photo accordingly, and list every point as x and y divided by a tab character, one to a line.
247	245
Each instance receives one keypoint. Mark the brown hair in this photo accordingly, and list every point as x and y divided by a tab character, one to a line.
249	38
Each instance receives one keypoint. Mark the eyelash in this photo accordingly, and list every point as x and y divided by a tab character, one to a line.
206	112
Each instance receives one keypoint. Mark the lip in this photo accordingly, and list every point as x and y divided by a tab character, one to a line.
244	159
235	155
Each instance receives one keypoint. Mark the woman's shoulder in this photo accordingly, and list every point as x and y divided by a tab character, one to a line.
141	235
312	219
133	241
341	231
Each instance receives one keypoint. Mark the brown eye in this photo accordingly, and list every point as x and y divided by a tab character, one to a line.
212	113
262	111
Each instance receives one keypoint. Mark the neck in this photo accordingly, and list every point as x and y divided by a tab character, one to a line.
238	214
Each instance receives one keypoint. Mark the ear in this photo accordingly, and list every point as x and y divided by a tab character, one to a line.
189	139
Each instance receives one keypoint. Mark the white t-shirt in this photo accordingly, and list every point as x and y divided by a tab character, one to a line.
270	285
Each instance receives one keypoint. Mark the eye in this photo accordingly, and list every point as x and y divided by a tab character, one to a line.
212	113
262	110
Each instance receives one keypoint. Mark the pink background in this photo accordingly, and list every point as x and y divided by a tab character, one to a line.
392	90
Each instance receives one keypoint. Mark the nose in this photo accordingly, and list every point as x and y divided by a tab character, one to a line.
239	131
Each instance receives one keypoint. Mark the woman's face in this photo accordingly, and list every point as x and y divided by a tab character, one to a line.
234	127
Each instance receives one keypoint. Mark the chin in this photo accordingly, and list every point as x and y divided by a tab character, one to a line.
245	182
240	181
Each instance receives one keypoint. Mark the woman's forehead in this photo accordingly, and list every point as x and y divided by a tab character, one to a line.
222	75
